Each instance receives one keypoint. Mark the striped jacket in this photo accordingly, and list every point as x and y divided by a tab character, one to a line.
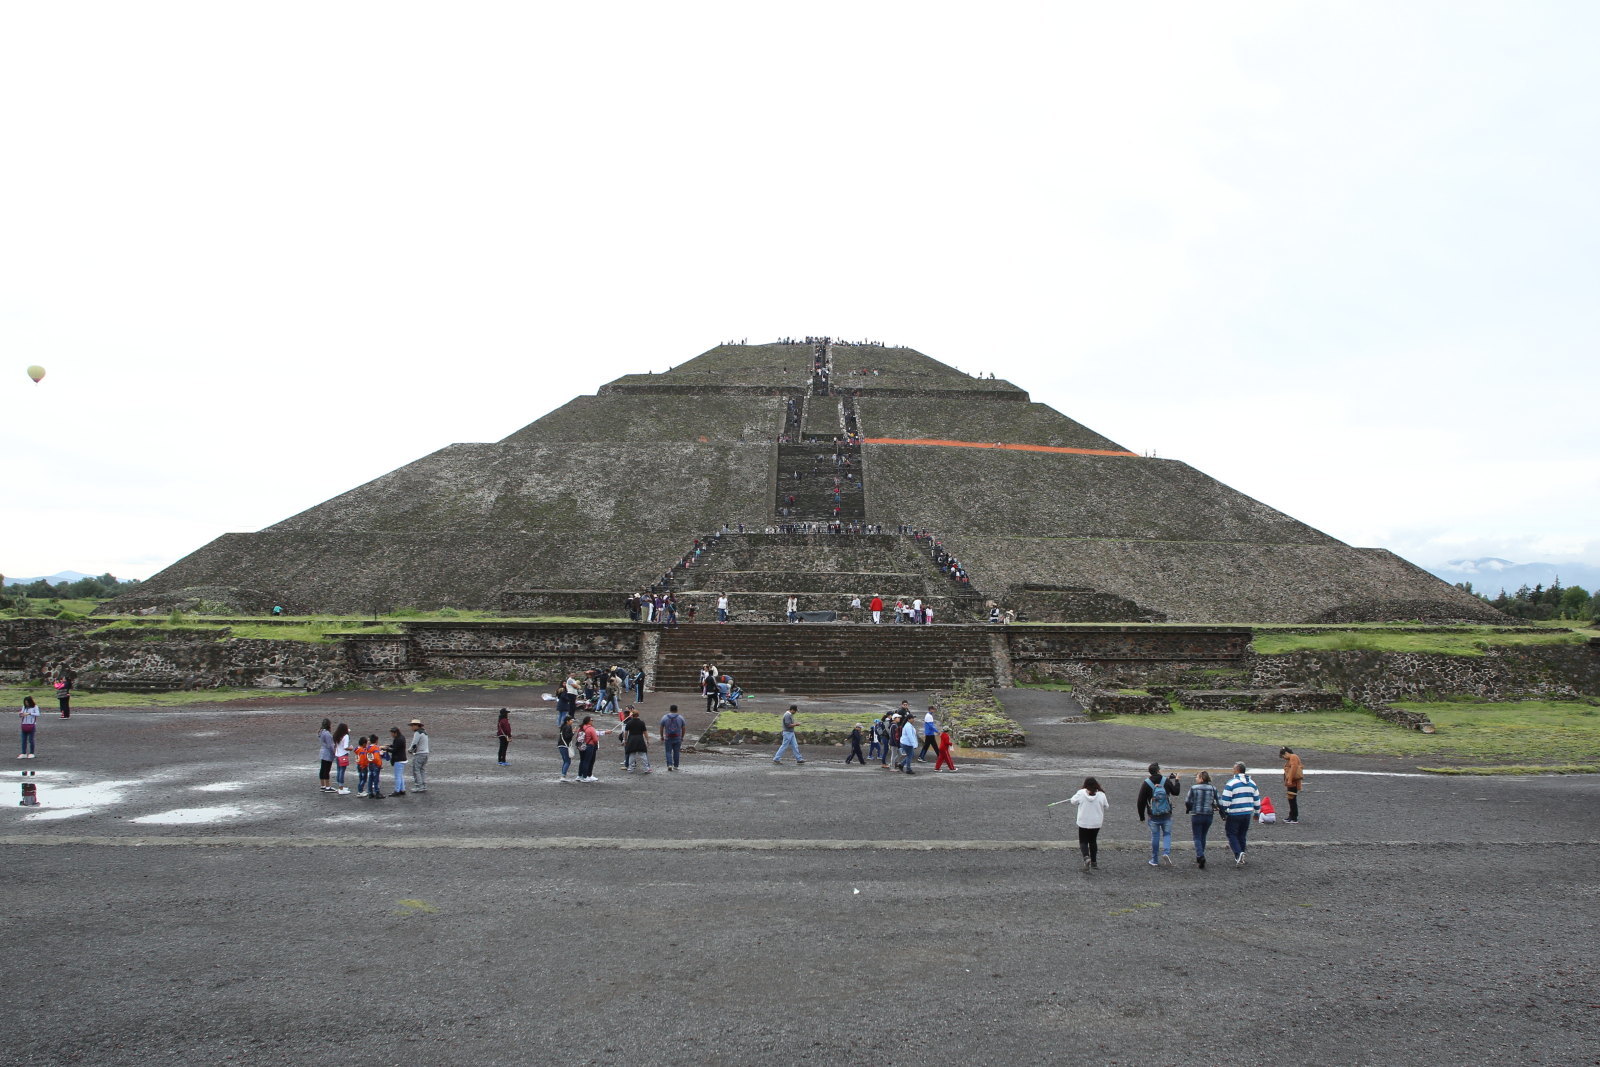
1240	796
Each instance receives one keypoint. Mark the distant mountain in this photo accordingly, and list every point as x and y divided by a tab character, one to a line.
1490	575
53	579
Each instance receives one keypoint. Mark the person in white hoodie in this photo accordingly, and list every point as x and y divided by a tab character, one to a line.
1091	802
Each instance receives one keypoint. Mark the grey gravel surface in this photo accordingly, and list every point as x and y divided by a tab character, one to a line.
185	890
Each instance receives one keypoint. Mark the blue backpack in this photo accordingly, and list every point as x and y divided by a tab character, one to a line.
1160	801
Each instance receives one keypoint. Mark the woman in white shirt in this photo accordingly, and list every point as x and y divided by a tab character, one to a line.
1091	802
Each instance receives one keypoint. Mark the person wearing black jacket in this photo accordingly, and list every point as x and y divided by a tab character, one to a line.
397	760
1155	806
564	732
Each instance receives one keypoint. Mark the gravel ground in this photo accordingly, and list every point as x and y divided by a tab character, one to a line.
186	889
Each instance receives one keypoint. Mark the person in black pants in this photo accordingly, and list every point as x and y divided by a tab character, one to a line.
502	730
855	747
589	749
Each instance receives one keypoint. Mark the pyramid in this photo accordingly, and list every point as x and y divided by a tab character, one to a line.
607	493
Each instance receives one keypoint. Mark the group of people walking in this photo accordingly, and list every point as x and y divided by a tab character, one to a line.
1240	802
578	740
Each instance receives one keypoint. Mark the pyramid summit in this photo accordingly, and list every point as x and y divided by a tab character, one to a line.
823	458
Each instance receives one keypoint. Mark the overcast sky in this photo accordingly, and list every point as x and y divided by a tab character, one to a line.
1342	257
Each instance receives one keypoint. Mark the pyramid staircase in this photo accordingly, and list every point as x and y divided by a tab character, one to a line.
779	658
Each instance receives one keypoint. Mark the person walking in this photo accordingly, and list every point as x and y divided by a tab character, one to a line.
1201	804
790	740
1155	807
635	741
855	747
722	607
566	728
908	745
1294	777
341	758
397	761
875	605
1241	802
930	736
419	757
638	685
708	686
502	732
672	728
325	756
1091	803
946	746
30	725
588	748
64	694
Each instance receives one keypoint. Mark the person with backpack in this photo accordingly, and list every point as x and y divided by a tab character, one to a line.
1241	802
1155	807
672	730
1201	804
878	747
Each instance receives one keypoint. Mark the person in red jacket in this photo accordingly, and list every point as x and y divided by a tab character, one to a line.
945	745
876	607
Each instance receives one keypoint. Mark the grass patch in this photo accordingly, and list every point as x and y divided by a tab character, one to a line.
1564	768
1520	733
46	696
1055	687
1466	642
428	685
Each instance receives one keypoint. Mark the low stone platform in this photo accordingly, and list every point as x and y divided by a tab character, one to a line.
1273	701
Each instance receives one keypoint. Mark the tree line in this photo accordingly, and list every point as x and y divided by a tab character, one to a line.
100	588
1540	602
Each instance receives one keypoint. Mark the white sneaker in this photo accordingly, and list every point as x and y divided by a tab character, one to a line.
344	792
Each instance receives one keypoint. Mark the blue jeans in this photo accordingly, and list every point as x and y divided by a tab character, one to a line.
789	742
1201	825
722	616
338	773
1238	827
1160	837
399	777
566	758
363	776
672	750
27	739
907	754
874	749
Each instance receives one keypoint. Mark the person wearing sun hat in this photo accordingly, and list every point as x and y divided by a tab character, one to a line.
419	757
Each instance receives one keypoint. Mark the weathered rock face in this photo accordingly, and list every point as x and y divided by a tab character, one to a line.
1560	672
608	492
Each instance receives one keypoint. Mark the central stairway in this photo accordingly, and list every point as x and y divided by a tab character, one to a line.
825	658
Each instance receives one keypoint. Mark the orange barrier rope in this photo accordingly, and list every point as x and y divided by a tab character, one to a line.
995	444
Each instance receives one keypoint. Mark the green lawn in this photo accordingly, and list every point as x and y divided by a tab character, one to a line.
11	696
805	720
1466	642
1527	734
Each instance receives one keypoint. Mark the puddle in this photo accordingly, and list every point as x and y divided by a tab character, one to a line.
61	802
218	787
187	816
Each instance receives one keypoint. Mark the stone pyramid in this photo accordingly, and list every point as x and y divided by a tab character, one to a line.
608	492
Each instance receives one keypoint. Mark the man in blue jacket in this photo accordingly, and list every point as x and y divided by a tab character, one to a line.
1241	802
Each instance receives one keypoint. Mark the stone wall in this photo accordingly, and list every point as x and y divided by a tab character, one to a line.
195	664
967	418
1526	672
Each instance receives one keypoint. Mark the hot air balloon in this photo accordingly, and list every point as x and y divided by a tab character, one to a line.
36	372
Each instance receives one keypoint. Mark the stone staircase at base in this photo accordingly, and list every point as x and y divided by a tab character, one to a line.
825	658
